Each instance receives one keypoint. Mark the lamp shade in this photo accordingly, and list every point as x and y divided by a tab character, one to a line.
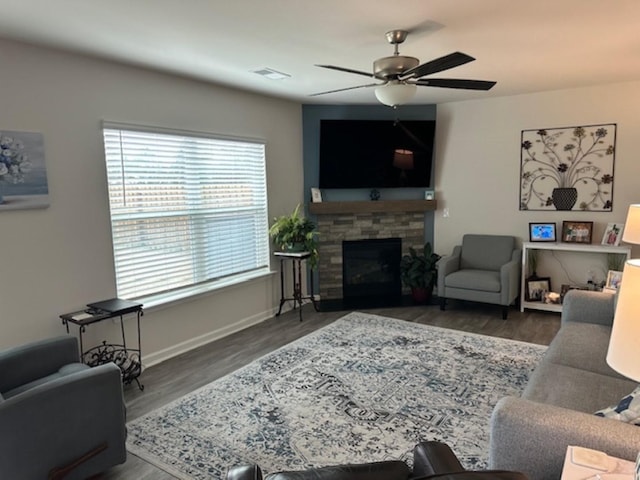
624	345
632	225
395	93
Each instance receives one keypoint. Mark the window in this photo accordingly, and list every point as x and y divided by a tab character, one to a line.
188	211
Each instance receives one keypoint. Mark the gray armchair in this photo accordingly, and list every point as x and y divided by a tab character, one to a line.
58	418
485	268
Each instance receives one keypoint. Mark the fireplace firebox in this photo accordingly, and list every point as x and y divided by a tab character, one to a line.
371	272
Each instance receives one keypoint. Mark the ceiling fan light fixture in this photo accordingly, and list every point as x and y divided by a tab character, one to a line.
395	93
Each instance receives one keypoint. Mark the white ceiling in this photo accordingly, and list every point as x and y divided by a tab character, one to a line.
526	46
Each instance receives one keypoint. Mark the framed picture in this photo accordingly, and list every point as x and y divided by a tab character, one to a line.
614	278
613	234
316	195
429	195
542	232
577	232
537	288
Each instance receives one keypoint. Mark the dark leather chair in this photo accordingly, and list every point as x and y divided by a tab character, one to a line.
431	460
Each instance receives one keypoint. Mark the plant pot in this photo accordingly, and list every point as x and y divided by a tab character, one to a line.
421	294
294	247
564	198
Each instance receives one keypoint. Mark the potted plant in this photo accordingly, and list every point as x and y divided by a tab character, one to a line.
293	233
418	272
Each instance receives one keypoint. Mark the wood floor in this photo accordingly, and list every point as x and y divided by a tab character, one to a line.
180	375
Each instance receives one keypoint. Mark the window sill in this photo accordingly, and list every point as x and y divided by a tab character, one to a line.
164	300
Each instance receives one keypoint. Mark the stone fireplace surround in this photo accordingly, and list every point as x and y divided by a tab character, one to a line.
338	221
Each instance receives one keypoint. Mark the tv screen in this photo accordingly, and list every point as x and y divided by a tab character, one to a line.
376	153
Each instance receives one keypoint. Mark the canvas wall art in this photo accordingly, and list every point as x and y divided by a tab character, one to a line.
568	168
23	174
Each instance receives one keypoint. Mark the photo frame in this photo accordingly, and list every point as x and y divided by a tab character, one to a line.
316	195
614	277
542	232
613	234
536	288
577	232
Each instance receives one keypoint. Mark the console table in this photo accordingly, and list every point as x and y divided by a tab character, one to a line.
566	247
128	359
296	259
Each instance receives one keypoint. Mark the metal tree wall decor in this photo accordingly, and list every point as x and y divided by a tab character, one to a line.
568	168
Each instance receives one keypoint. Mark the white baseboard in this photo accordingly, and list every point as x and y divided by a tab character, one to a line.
183	347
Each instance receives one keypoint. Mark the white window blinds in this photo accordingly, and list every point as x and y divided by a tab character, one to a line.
186	210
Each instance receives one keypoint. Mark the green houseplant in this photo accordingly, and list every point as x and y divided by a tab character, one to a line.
293	233
418	272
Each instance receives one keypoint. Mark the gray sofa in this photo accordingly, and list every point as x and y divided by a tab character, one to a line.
531	433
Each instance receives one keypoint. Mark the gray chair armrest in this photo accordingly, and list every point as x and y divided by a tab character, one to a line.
588	307
60	421
446	265
510	276
533	438
35	360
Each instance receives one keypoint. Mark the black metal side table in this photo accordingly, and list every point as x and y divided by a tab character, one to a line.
296	259
128	359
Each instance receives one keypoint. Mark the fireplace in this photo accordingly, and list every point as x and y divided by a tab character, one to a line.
371	272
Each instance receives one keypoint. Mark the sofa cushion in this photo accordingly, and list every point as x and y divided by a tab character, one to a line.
627	409
574	388
584	346
68	369
487	281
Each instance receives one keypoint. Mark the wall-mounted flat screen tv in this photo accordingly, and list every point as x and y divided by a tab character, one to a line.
376	153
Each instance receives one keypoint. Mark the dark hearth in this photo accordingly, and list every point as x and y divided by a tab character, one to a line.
371	272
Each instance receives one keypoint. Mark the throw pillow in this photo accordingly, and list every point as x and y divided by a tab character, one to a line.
627	410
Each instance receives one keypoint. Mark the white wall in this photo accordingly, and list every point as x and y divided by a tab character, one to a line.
58	259
478	158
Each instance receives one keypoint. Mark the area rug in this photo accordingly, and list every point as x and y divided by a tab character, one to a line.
365	388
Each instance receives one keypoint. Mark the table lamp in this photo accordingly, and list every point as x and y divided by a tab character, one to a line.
632	225
624	345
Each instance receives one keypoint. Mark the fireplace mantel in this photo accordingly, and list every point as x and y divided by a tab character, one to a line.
380	206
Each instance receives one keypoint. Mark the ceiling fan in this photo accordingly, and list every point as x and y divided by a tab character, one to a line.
402	74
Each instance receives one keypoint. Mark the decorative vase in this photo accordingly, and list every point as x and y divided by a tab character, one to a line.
564	198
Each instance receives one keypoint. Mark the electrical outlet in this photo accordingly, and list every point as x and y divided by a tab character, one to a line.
445	213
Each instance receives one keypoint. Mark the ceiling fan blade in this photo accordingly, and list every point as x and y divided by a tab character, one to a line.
347	70
345	89
456	83
438	65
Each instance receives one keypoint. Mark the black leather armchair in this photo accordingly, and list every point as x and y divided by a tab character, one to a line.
431	460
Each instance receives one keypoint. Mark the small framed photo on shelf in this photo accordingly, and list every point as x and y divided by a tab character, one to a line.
429	194
613	234
542	232
537	288
614	278
577	232
316	195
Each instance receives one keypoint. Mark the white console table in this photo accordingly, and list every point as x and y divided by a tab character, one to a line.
566	247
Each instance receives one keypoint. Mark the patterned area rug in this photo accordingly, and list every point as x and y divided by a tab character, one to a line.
365	388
